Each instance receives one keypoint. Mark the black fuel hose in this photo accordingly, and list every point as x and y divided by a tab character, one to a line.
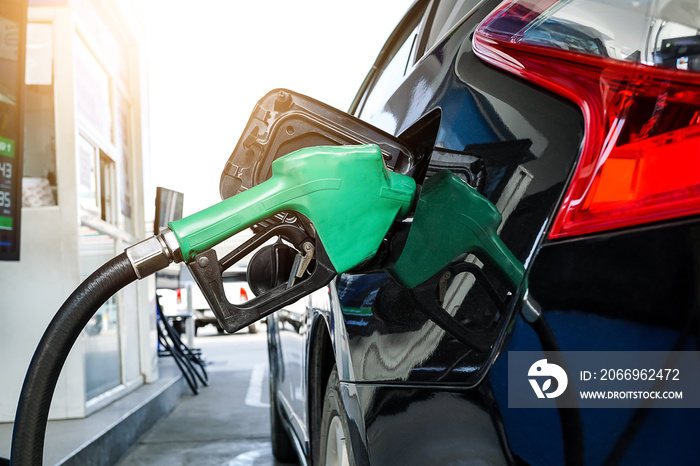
51	354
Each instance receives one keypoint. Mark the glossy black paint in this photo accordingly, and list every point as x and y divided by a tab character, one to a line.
423	426
414	394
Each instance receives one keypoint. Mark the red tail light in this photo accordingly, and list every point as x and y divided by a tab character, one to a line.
640	159
244	295
178	295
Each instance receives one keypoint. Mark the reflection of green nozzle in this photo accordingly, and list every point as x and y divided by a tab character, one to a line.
452	218
346	192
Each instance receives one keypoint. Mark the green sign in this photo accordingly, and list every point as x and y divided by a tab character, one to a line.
7	147
5	223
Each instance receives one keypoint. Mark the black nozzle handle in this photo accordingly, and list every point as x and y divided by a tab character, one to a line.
207	272
424	295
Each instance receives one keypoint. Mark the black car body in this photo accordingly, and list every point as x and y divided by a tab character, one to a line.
523	119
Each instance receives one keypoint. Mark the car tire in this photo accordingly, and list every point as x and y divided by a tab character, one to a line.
282	448
334	437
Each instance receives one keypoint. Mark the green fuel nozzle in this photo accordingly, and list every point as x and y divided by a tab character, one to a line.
452	221
346	192
464	222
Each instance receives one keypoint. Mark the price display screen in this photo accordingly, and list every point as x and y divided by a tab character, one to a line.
12	44
7	191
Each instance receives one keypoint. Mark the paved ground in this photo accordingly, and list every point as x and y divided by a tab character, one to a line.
228	422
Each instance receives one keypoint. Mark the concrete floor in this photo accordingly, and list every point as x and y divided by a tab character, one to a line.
228	422
103	437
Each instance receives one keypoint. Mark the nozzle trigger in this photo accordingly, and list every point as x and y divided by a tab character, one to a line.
207	272
301	263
